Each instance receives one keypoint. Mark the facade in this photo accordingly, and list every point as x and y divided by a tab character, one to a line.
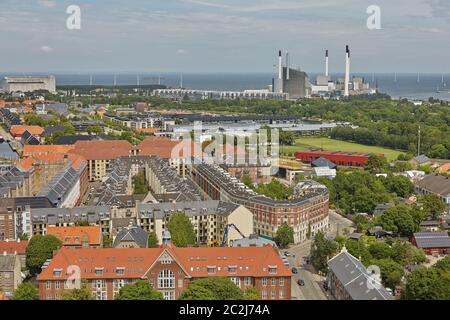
29	84
10	273
306	214
209	219
168	269
78	236
351	159
348	279
205	94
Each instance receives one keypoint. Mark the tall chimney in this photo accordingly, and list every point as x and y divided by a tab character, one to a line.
287	65
280	66
326	63
347	71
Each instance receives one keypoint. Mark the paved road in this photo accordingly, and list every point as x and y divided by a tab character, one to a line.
312	290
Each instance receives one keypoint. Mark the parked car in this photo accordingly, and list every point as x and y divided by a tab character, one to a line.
301	282
287	254
294	270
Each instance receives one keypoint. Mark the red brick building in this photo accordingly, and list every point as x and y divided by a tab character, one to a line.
168	269
78	236
350	159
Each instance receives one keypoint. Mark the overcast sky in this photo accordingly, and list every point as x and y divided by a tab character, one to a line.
223	35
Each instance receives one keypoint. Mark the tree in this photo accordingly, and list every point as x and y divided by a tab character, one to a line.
82	293
443	264
432	205
399	219
427	284
322	250
286	138
399	185
275	190
251	294
405	253
140	290
284	236
107	241
213	288
380	250
26	291
438	151
245	179
153	240
181	230
376	163
391	272
39	249
140	185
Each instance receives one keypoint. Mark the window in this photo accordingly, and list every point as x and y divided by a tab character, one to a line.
48	285
273	294
180	283
232	269
247	281
273	282
272	270
169	295
98	271
264	294
166	279
118	284
57	273
57	284
281	282
264	282
281	294
236	281
211	270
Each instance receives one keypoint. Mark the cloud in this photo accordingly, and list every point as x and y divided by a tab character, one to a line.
181	51
47	3
46	49
208	4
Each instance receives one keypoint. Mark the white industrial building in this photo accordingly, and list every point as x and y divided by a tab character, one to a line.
28	84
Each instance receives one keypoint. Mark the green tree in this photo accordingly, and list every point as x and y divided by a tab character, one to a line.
140	290
107	241
432	205
405	253
250	294
181	230
438	151
26	291
213	288
284	235
153	240
83	293
427	284
443	264
245	179
399	219
376	163
139	183
39	249
322	250
380	250
391	272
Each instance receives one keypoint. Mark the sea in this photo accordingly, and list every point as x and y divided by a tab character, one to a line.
401	85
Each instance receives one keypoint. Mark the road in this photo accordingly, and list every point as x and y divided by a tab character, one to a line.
312	290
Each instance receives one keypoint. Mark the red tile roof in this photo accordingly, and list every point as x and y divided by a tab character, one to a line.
251	261
167	148
29	150
12	247
68	235
19	130
102	149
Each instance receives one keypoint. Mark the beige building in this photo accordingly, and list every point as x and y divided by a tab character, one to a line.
209	219
10	273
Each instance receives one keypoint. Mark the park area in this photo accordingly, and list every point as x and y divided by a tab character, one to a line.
328	144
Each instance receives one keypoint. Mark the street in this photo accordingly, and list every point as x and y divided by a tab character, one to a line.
312	290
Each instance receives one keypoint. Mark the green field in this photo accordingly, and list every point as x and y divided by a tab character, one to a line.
337	145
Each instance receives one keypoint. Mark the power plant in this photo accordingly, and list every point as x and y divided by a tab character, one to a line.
296	83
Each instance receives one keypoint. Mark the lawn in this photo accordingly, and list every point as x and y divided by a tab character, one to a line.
337	145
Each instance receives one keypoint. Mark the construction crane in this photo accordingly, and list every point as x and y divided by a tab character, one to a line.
225	233
159	78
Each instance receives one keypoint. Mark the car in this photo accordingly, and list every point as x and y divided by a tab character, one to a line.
294	270
301	282
287	254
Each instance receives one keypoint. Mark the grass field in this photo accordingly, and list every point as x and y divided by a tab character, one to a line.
337	145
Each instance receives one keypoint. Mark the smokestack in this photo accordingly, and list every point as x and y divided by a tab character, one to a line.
347	71
287	65
280	66
326	63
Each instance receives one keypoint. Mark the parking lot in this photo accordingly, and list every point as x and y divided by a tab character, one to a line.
91	193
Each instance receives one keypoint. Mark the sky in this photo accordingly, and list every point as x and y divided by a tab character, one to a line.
223	35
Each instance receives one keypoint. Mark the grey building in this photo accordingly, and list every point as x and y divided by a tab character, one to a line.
348	279
29	84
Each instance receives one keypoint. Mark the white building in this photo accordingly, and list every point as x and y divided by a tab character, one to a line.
28	84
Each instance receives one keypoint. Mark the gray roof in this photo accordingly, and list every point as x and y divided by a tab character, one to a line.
7	262
422	159
322	162
354	277
432	239
134	233
60	185
437	184
70	215
190	208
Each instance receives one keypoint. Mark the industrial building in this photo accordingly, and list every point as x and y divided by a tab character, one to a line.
28	84
291	81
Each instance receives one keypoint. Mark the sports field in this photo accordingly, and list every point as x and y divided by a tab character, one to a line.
337	145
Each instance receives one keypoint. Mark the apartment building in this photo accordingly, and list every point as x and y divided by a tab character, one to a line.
17	247
10	273
168	269
305	213
209	219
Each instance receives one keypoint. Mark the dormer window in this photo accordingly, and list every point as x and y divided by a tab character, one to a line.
57	272
120	270
211	270
98	271
272	269
232	269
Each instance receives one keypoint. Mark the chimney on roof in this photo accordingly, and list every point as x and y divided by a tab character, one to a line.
166	238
